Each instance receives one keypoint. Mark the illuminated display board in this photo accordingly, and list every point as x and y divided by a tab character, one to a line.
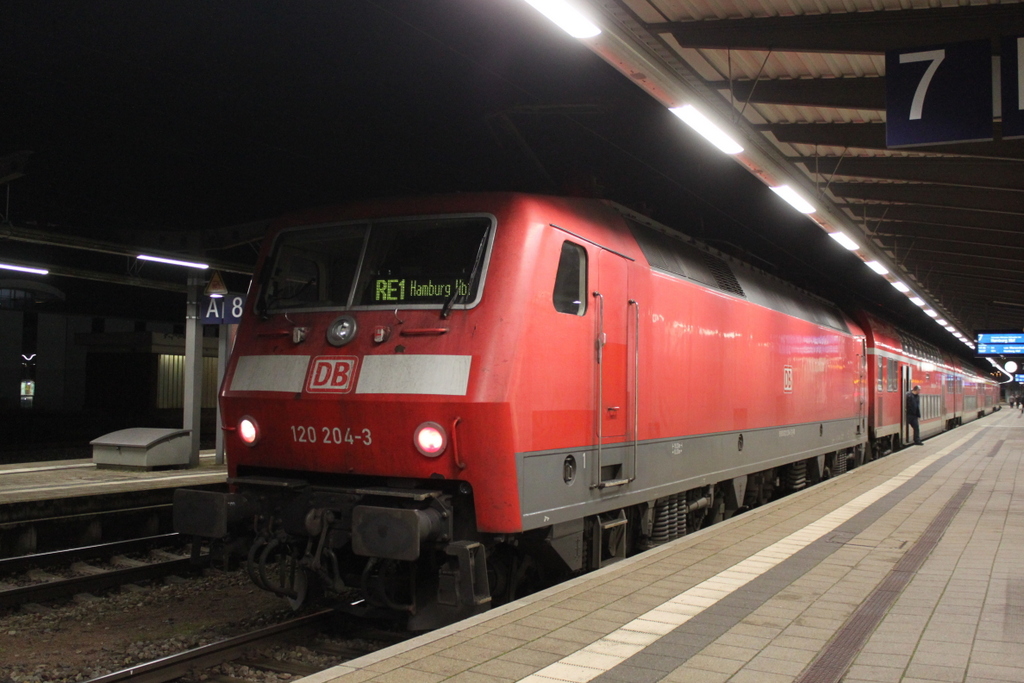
402	289
1019	378
1001	349
1000	338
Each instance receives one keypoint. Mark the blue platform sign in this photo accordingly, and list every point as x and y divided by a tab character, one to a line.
1012	80
1019	378
938	94
1000	349
1000	338
223	311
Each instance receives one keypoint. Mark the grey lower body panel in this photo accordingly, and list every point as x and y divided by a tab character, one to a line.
552	489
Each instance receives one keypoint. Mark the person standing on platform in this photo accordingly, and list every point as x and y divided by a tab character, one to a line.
914	413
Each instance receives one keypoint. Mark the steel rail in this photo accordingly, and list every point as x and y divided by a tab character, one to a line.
175	666
63	588
22	563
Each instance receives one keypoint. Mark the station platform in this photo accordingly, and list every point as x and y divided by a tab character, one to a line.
41	481
908	569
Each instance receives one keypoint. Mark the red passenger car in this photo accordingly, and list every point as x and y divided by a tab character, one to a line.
951	394
441	401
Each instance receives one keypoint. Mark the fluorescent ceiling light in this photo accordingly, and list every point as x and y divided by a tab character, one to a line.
24	269
712	133
950	328
900	287
878	268
173	262
568	18
930	313
844	239
917	301
794	199
942	321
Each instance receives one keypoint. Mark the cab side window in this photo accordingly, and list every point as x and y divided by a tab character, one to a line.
570	294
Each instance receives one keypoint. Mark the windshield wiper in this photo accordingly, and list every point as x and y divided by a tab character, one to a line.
447	308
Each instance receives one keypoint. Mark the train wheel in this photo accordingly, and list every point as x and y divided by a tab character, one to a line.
499	574
512	574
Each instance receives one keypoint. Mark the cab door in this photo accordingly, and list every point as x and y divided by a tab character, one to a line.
612	345
906	382
617	360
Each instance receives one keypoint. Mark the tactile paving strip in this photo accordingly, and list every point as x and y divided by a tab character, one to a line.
835	659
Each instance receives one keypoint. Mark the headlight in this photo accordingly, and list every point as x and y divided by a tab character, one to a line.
248	431
341	331
430	439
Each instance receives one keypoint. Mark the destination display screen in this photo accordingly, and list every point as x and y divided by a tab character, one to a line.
425	262
1001	349
1016	338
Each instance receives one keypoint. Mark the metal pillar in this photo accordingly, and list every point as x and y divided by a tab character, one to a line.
223	348
193	395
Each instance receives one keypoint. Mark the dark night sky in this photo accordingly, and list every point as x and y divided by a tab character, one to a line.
196	114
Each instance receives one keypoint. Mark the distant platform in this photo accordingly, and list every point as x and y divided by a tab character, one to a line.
55	479
906	569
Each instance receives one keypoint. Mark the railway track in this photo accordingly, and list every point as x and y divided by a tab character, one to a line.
237	648
89	578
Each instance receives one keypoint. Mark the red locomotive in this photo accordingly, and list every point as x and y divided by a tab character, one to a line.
433	403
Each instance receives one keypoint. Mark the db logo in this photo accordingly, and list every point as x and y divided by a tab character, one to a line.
331	374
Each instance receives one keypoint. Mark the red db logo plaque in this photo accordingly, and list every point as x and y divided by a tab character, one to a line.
331	374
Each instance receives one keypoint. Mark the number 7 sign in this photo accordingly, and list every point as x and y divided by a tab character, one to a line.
938	94
1013	87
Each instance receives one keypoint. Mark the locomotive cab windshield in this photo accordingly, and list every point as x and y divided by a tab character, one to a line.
415	263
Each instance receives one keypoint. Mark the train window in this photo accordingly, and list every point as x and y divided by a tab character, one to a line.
425	263
313	267
893	376
881	375
570	295
435	262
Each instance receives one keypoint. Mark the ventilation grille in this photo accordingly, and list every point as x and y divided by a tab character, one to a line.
723	274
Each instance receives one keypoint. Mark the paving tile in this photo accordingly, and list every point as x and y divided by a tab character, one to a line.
691	675
520	632
527	655
546	623
440	664
554	646
505	669
406	675
945	658
389	664
745	641
576	635
771	665
889	660
474	677
471	653
797	643
1001	673
743	654
955	674
760	677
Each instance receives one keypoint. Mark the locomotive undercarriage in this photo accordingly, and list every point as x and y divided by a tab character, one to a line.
394	549
408	551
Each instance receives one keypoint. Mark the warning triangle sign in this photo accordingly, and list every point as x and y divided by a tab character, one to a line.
216	285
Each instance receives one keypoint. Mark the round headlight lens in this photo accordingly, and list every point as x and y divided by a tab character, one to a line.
248	431
430	439
341	331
